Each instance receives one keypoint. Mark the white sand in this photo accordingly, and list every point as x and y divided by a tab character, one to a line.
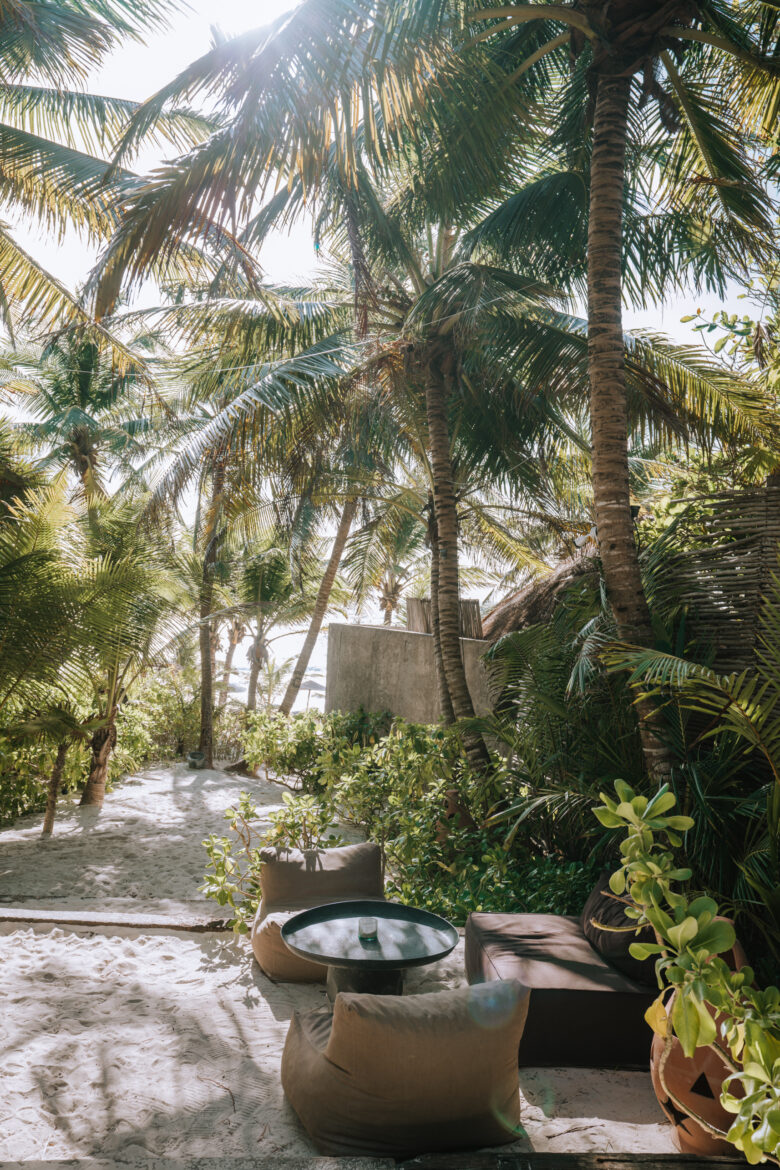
117	1043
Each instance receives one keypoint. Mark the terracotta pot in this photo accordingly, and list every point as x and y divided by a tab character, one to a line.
696	1082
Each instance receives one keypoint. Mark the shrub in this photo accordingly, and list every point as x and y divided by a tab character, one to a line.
308	746
285	747
233	873
397	790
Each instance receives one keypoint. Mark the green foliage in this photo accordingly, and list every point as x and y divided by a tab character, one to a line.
378	786
308	745
704	1002
25	767
233	873
465	876
23	778
232	876
398	788
731	773
302	823
566	727
285	747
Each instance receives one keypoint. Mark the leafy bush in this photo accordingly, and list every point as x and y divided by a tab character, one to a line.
399	790
167	705
160	721
302	823
308	745
22	778
25	767
285	747
233	873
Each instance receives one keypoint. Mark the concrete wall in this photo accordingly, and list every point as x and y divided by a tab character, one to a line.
388	669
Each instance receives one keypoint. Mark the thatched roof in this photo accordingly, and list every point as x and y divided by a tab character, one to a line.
534	603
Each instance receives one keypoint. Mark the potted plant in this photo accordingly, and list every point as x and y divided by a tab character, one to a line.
704	1003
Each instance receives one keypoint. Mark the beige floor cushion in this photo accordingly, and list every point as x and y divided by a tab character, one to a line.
395	1076
293	880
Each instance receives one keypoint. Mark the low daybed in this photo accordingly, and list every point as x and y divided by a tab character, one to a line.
588	995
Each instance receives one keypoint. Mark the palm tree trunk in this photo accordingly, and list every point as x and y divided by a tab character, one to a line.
446	520
54	788
323	597
445	702
206	742
205	632
254	674
438	375
214	645
231	650
102	744
606	369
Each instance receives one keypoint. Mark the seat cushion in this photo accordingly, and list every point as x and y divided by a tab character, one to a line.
603	908
542	951
275	958
582	1011
396	1076
297	879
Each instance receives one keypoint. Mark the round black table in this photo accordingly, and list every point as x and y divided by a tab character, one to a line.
406	937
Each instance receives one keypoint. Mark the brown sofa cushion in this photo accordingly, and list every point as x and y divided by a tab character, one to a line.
603	907
583	1012
294	879
392	1076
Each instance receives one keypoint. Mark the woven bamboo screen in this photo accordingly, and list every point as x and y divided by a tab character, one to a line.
721	583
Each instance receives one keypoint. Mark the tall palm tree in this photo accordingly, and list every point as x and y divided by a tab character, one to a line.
673	82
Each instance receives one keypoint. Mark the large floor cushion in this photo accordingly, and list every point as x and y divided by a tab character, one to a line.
582	1012
396	1076
293	880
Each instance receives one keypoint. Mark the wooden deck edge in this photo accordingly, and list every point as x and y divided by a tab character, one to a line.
476	1161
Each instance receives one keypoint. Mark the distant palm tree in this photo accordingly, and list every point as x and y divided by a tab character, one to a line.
134	615
79	412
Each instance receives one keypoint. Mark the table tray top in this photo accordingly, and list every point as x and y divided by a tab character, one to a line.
406	936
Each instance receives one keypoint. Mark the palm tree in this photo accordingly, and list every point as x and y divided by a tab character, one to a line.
56	138
42	616
133	613
698	69
79	412
262	417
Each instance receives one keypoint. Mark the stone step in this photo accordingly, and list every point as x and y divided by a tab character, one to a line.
189	921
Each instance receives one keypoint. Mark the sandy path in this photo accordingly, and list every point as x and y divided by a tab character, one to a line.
126	1045
141	851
